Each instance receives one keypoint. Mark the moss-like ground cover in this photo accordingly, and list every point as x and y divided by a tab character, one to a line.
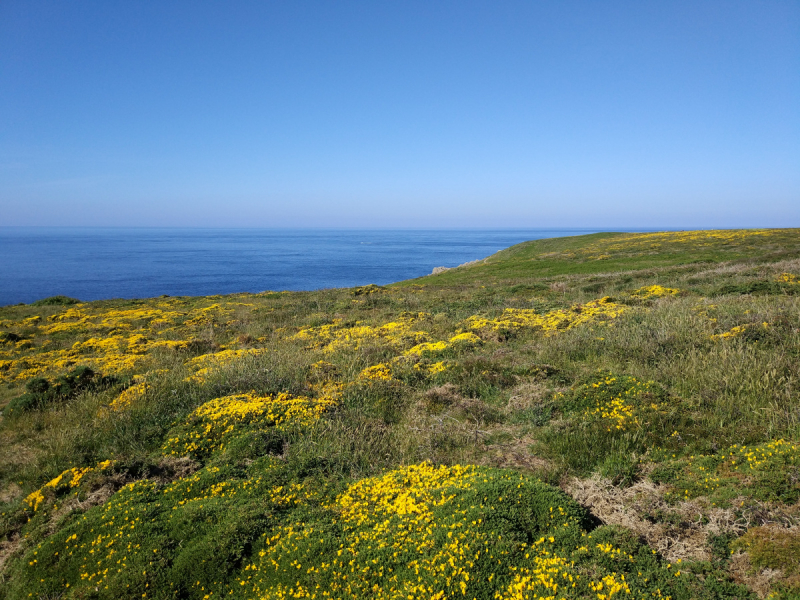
421	440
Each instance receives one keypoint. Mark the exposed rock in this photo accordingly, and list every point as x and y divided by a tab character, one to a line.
437	270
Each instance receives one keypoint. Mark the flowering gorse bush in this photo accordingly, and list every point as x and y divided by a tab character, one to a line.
615	400
66	481
512	319
129	396
446	532
206	364
654	291
113	340
666	241
379	372
214	423
338	335
421	531
739	330
767	472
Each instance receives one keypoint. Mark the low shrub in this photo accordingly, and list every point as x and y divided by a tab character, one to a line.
56	301
421	530
42	392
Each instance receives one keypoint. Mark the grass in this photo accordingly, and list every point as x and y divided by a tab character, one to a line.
614	252
417	439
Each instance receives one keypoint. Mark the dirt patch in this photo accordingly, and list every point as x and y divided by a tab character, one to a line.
442	397
446	402
171	468
526	395
495	444
762	582
8	548
10	493
17	455
516	454
476	411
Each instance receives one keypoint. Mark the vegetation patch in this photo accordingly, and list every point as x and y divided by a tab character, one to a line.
42	393
776	549
768	472
56	301
601	416
420	531
214	424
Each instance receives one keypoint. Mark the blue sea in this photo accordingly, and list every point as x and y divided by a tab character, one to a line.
93	263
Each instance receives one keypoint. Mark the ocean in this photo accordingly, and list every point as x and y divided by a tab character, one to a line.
99	263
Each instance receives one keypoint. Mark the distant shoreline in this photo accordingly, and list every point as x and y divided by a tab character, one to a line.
104	263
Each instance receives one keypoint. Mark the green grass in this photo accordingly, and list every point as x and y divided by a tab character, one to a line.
603	253
687	397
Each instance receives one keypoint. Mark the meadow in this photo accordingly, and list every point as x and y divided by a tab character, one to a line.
600	416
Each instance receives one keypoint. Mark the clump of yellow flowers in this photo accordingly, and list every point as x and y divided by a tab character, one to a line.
618	401
654	291
762	471
379	372
129	396
71	478
205	364
212	424
341	336
110	340
594	312
738	331
427	531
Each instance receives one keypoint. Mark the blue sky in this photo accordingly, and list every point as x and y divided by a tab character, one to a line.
400	114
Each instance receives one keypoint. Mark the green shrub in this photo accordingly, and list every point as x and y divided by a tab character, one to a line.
444	531
610	421
767	472
757	288
42	393
9	337
56	301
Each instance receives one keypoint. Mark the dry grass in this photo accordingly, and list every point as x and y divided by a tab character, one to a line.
685	533
769	557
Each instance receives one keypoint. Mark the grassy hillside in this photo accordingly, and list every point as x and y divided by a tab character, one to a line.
612	415
615	252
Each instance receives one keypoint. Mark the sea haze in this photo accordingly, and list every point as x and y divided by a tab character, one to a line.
93	264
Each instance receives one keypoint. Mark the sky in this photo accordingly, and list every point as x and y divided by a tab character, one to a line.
428	114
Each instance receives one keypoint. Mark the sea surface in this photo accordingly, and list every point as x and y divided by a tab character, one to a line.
95	263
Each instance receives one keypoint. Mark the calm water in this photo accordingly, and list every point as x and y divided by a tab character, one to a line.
92	264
